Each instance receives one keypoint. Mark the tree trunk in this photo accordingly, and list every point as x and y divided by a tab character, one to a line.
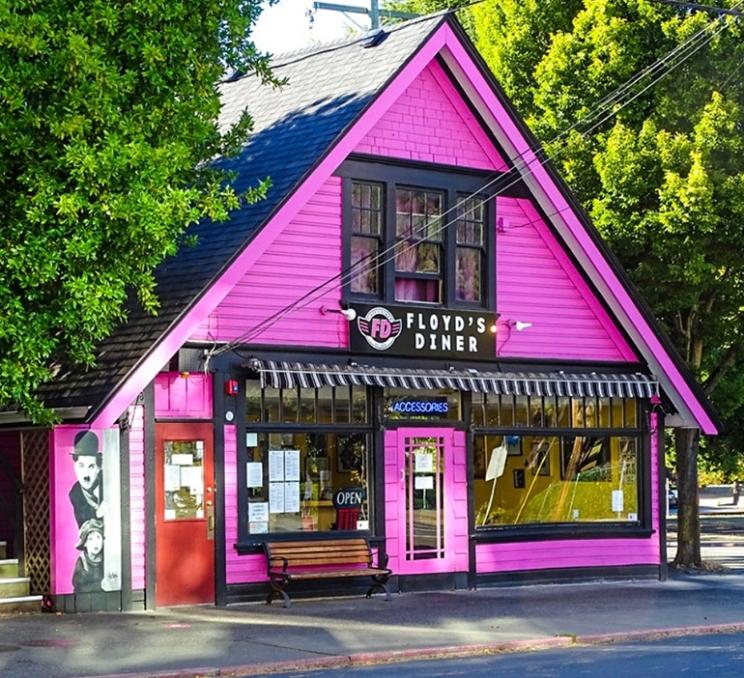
688	514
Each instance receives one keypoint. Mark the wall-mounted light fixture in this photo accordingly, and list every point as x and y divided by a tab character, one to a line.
519	325
349	313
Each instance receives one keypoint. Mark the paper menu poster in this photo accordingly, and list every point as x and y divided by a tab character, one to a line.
276	465
172	477
423	483
292	497
182	459
254	474
291	465
258	511
276	497
423	463
191	477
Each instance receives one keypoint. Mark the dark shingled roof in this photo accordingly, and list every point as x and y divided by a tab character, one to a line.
294	128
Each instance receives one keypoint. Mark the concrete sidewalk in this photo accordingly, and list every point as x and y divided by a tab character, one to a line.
255	639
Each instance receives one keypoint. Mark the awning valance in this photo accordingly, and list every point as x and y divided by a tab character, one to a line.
282	374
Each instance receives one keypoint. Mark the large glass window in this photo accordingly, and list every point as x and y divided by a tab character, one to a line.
555	479
307	482
564	460
311	478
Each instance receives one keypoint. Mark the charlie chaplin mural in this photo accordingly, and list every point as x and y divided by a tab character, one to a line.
88	575
86	497
86	494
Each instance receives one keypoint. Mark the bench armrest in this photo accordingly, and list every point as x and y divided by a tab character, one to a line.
382	559
283	560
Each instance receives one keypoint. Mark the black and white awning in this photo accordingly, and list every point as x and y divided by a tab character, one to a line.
281	374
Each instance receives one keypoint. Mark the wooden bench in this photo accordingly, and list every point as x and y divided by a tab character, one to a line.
324	559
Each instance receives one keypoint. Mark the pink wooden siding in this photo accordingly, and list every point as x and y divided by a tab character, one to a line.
137	495
538	283
392	498
239	569
548	555
431	122
304	255
183	396
459	497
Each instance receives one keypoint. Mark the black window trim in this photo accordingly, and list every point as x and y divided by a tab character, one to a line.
414	175
641	528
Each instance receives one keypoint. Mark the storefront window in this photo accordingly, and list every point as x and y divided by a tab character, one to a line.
307	482
493	411
326	405
311	480
533	479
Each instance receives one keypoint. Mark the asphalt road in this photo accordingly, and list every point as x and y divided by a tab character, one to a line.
717	655
721	541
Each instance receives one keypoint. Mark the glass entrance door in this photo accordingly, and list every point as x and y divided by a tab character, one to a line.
427	528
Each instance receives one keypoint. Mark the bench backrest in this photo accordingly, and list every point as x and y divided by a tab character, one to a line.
323	552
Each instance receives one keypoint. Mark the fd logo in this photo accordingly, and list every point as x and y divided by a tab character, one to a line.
380	328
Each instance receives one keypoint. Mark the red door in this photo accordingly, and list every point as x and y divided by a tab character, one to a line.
184	505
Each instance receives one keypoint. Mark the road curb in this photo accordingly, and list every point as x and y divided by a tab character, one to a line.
445	652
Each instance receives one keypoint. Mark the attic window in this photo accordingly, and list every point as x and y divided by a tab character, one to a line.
417	236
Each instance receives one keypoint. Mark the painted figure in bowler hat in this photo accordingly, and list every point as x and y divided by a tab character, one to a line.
86	494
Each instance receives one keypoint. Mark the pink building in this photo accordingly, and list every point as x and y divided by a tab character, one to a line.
418	338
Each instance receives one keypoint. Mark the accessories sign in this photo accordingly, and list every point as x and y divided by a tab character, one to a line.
411	331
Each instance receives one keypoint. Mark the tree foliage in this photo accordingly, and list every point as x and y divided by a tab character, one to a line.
107	122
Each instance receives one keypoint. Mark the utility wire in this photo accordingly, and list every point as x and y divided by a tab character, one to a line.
684	50
365	263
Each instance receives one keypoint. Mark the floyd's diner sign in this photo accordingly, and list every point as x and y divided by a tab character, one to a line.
410	331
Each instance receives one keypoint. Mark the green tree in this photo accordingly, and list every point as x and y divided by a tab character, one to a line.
663	179
108	118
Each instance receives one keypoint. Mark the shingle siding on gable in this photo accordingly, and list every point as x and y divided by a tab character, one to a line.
304	255
536	282
430	122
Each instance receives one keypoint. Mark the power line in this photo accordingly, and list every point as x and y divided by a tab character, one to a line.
695	7
686	50
344	276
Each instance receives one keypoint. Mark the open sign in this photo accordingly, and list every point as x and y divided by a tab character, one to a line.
349	497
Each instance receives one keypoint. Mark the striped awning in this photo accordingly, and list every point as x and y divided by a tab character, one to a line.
281	374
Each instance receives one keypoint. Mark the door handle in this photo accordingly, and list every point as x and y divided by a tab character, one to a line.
210	521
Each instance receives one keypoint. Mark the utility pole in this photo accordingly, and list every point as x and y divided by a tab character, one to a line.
374	12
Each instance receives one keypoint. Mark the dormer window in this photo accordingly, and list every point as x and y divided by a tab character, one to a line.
416	237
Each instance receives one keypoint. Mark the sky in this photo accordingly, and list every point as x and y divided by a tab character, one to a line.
285	27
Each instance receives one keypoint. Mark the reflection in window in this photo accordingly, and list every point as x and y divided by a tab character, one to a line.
556	479
294	480
471	253
418	245
366	237
326	405
183	479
